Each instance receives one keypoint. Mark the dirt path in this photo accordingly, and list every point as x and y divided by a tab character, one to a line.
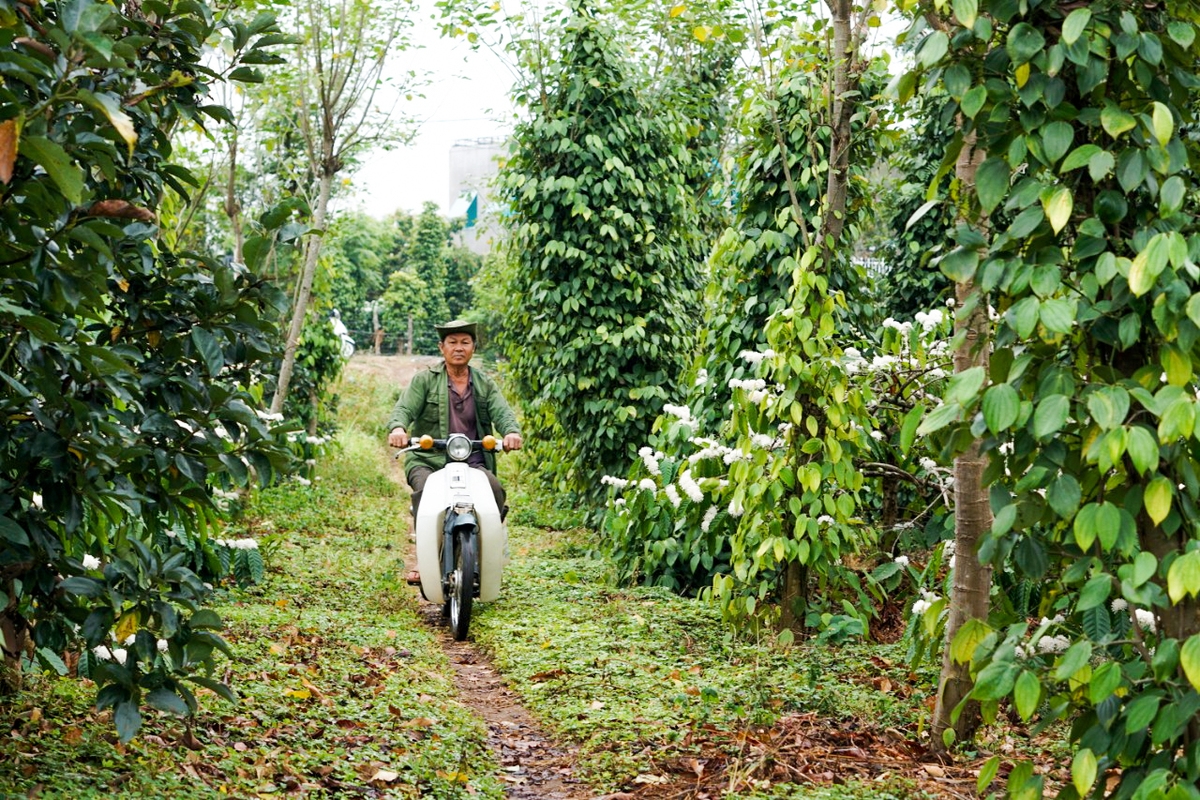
533	765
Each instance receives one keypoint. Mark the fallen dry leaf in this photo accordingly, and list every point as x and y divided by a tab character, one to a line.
385	775
8	149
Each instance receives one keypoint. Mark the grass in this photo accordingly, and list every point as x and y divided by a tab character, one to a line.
339	681
343	689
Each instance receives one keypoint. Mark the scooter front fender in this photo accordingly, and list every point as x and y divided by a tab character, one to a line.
458	483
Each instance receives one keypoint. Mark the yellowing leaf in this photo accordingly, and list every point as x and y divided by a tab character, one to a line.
702	32
1164	123
127	625
1158	499
1058	206
299	694
1022	75
677	10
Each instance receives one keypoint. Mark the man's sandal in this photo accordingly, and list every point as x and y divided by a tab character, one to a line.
413	578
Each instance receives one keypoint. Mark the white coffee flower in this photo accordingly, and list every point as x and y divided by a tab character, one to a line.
91	562
673	495
1146	620
101	652
682	412
878	436
701	377
825	519
901	560
1118	605
690	487
647	485
303	481
735	508
1053	644
709	516
129	640
616	483
163	645
119	655
36	499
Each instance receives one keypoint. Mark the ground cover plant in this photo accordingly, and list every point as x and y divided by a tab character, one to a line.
341	689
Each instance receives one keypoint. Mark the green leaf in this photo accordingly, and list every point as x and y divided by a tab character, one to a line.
1182	33
128	720
1163	123
939	418
1100	165
991	180
1058	315
908	429
995	681
1105	680
1183	578
1176	364
1056	140
164	699
1083	771
969	636
1086	527
1171	195
12	532
1116	121
1058	205
1050	415
1144	567
1080	157
1026	693
209	350
933	48
1023	316
246	75
1178	421
1095	592
206	618
1064	495
1149	264
111	108
1075	659
1140	712
1108	406
1189	659
1001	406
1075	24
959	264
987	773
963	386
65	173
971	104
966	11
1142	448
1024	42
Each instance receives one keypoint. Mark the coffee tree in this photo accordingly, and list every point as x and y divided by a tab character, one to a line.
130	372
1081	114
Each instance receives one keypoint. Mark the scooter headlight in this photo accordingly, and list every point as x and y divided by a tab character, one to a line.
458	447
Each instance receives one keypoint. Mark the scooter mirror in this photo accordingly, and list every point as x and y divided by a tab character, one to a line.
426	442
489	442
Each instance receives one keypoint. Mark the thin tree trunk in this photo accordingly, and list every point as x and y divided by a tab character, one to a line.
969	597
838	181
795	597
303	295
233	209
408	345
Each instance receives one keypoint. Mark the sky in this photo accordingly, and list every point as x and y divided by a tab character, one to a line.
467	99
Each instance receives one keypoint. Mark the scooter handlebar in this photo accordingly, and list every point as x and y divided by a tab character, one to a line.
489	443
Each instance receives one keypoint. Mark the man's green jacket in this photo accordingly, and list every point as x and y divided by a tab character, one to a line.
424	408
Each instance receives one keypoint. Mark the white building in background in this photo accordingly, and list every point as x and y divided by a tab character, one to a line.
473	166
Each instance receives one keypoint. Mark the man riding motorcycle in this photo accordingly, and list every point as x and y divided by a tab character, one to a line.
452	397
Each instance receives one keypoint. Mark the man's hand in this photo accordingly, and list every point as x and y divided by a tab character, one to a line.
398	438
512	441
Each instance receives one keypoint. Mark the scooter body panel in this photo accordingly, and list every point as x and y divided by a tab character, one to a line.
458	483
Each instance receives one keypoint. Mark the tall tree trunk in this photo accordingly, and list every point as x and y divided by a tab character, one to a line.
233	209
838	182
304	294
795	597
972	513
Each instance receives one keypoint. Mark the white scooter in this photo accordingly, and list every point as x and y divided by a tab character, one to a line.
462	543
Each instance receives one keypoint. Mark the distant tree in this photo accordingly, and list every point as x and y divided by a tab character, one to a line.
426	259
356	254
461	267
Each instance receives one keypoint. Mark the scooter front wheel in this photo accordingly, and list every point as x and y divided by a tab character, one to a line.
462	584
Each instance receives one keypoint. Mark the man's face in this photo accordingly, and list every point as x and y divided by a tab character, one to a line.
457	349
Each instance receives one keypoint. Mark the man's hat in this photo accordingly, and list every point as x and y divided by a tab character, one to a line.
456	326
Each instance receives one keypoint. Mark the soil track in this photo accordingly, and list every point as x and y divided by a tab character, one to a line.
533	765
